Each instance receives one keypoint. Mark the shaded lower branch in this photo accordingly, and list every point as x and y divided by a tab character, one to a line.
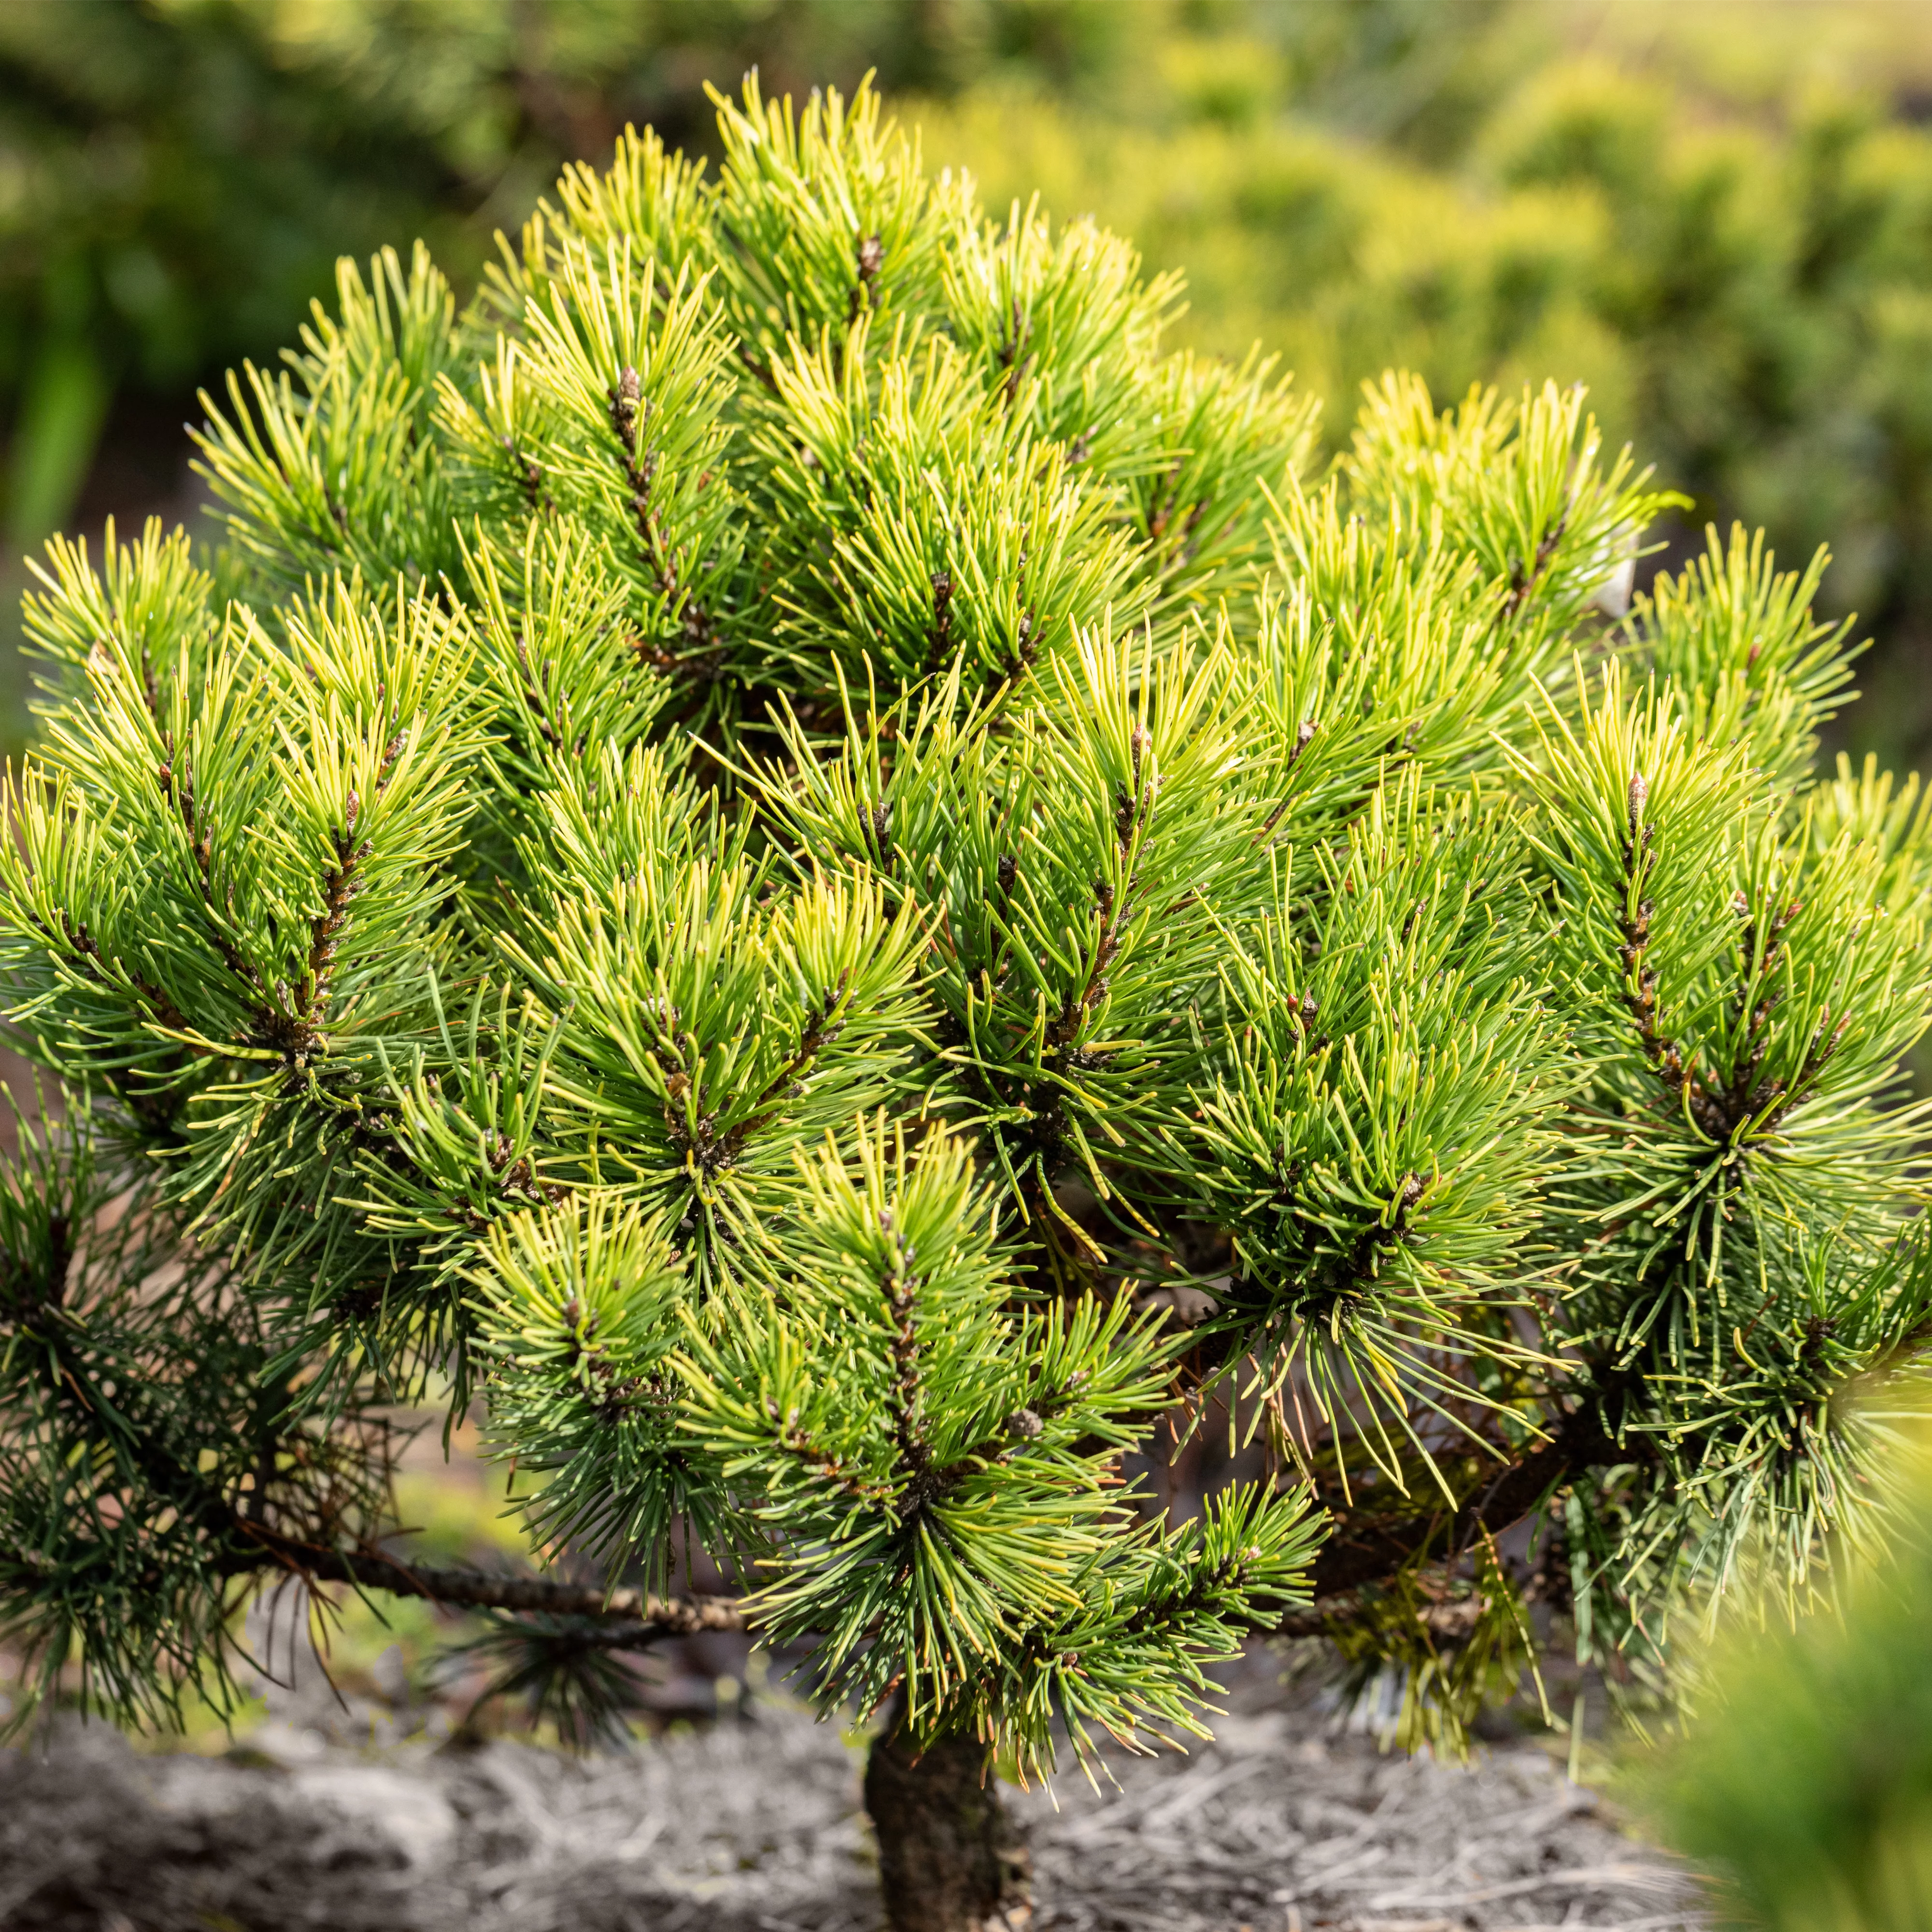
1379	1552
640	1615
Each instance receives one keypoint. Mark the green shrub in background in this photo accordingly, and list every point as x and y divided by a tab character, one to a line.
1738	266
179	176
1806	1783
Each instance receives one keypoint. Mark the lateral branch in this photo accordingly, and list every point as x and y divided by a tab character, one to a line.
644	1617
1380	1551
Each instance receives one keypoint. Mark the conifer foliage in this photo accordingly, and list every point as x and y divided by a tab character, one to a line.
752	849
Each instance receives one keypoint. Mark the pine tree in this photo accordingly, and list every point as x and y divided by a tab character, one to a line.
754	848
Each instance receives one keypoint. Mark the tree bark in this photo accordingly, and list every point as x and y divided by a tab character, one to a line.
950	1860
629	1616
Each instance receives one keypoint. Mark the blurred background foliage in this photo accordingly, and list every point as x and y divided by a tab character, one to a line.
1802	1781
1717	213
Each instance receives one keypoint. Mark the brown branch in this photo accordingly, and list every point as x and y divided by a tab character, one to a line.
85	953
762	370
1013	355
649	1616
871	260
1133	819
717	1151
177	787
940	647
1523	581
630	414
1303	735
824	1464
529	473
1718	1107
339	886
901	1286
1380	1552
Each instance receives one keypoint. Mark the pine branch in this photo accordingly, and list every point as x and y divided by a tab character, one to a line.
634	1614
1376	1553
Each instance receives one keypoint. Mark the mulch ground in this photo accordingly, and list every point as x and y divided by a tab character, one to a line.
754	1825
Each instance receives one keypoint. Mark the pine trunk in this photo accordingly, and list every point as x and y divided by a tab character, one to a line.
949	1859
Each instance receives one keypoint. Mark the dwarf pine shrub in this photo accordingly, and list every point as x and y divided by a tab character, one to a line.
752	849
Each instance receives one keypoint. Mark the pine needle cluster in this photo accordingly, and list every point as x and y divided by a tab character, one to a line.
755	847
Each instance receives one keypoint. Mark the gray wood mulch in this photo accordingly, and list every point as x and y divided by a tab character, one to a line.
754	1825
